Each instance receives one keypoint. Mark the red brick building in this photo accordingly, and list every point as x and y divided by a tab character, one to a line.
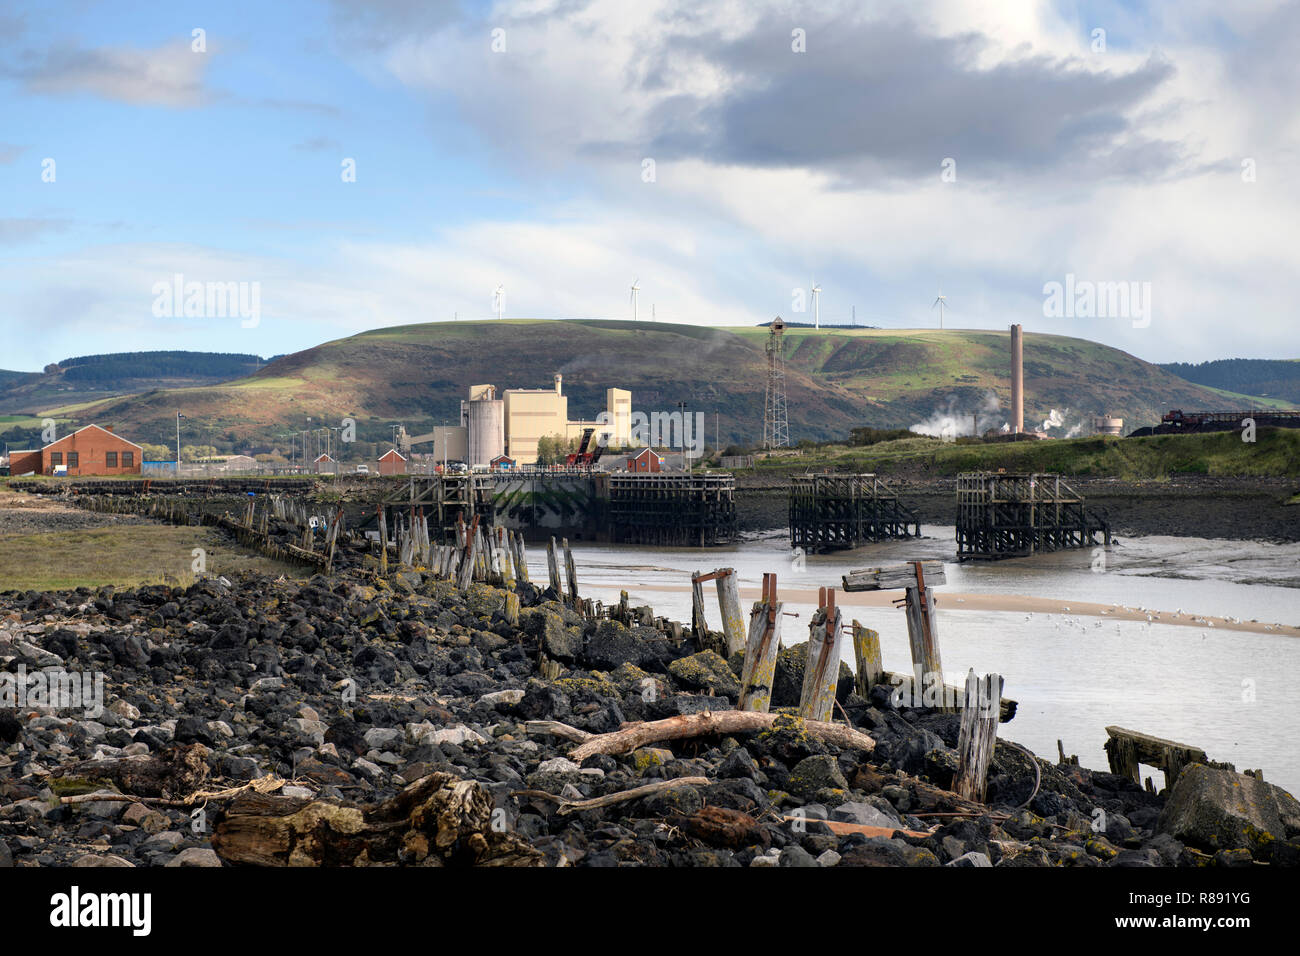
26	462
92	450
392	462
646	460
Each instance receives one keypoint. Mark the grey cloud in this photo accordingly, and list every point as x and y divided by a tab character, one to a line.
9	152
13	231
317	144
170	75
885	99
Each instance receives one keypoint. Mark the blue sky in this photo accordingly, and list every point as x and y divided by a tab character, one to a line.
524	166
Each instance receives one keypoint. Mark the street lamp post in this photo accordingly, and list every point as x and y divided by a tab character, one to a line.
686	449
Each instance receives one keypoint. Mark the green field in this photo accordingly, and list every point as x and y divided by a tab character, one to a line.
125	556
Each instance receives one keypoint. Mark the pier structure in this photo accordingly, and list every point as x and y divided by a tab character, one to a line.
648	508
846	511
669	509
1009	516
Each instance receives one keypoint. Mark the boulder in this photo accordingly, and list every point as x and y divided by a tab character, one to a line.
1214	809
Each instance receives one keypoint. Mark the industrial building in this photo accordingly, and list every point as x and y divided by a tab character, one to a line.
90	450
511	425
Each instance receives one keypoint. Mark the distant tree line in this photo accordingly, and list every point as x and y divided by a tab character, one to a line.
1269	378
120	365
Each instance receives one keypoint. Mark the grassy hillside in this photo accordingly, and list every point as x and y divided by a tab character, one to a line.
836	379
91	378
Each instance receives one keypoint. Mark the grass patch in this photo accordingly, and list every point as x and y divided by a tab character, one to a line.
1275	453
125	556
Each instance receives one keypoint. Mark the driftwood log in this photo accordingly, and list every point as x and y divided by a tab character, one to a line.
567	806
439	820
172	773
631	736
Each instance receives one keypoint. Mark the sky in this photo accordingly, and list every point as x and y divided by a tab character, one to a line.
353	165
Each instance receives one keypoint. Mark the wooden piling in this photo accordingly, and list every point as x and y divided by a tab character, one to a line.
733	621
866	649
521	558
699	627
553	567
572	573
822	670
761	648
978	734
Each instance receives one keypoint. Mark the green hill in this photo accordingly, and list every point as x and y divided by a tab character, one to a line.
94	377
1267	378
835	379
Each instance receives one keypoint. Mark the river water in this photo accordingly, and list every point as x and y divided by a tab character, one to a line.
1234	693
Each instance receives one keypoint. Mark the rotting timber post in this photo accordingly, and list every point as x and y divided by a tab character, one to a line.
845	511
1009	516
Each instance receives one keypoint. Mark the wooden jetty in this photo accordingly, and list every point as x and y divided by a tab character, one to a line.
1011	516
845	511
695	510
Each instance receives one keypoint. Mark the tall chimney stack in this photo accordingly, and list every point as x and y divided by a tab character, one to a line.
1017	382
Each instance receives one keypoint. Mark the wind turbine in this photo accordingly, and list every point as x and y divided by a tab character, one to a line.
499	299
817	312
940	302
635	289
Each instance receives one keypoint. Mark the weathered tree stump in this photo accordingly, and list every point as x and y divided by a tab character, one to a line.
439	820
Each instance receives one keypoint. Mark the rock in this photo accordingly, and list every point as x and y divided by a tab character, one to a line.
1215	809
559	765
971	859
738	764
383	738
707	670
547	628
816	773
304	729
502	697
829	858
794	856
865	814
643	758
196	856
459	735
151	821
772	858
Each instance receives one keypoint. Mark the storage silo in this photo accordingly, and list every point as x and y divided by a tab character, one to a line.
485	425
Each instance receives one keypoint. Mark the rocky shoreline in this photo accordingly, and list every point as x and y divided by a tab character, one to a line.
1238	509
360	719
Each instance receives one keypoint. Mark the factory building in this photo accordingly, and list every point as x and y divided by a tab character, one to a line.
532	413
1107	425
485	424
493	427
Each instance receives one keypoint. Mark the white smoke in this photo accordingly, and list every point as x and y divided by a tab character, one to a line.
1054	419
950	422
